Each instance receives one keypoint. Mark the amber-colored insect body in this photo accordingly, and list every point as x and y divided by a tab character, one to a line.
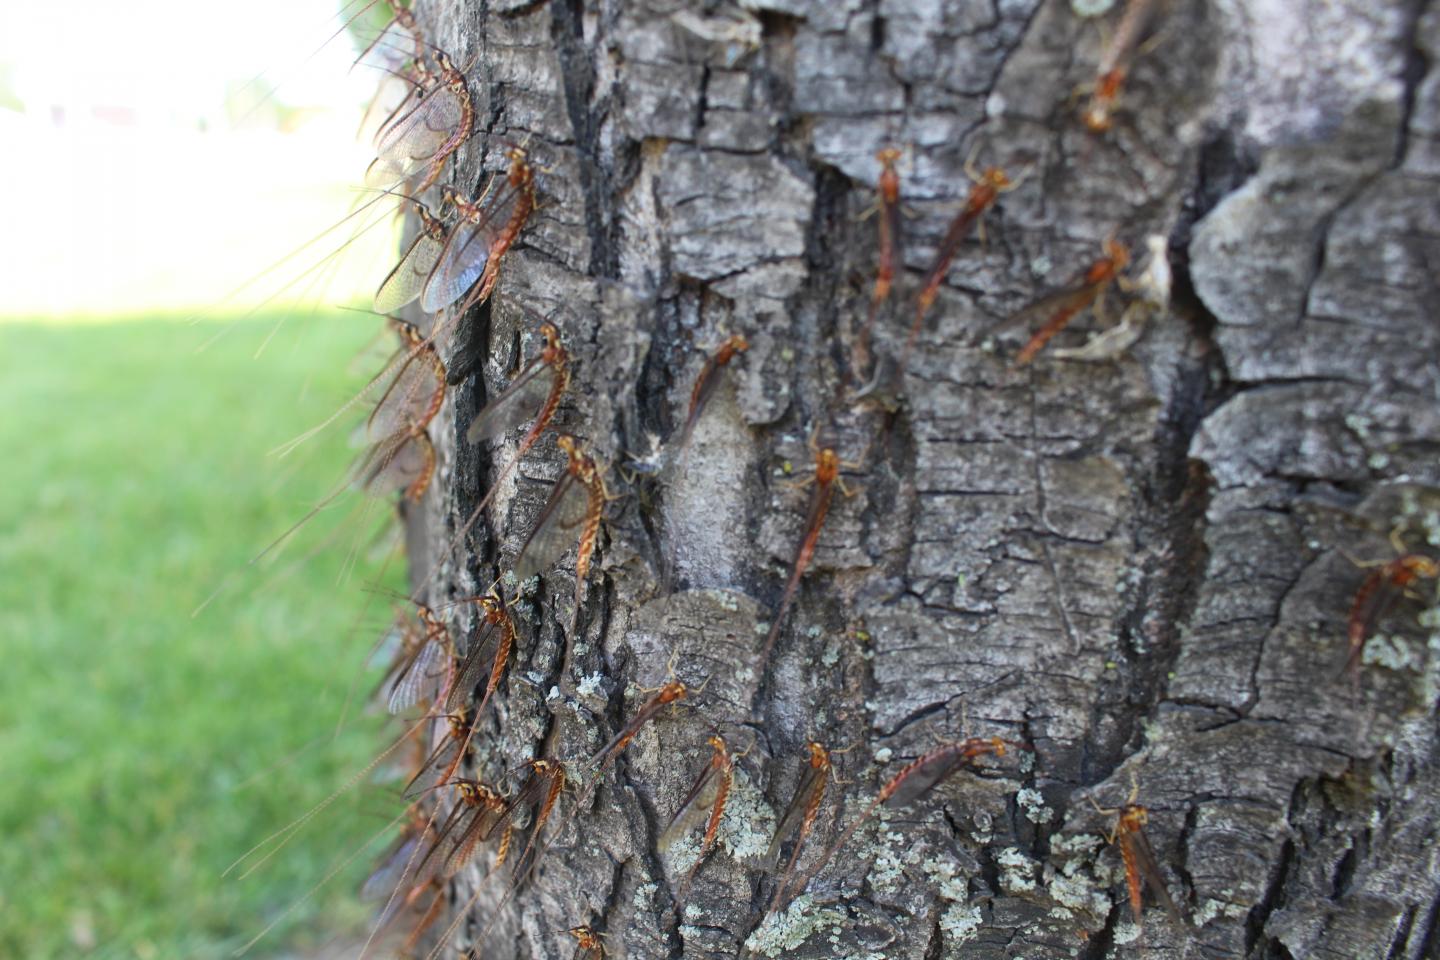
540	791
706	382
587	944
914	780
1062	307
487	656
578	500
710	791
827	474
888	255
799	818
672	691
1114	66
1141	868
989	184
471	258
1378	592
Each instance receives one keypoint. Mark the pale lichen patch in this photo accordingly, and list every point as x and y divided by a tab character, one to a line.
787	929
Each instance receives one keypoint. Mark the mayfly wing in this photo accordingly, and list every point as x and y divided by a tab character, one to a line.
811	780
541	790
486	816
467	251
923	776
694	808
555	528
409	142
403	461
669	693
926	773
410	399
407	280
392	867
1139	852
1068	301
414	682
479	660
516	404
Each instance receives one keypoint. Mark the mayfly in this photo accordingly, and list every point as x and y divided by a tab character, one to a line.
827	477
705	384
1062	307
888	223
541	791
417	142
478	811
914	780
486	657
1141	868
672	691
700	394
587	943
574	508
477	243
989	184
543	382
706	800
1378	592
1099	114
799	818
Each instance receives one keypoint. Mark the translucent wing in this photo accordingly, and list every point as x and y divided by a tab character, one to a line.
1139	854
399	462
555	530
417	681
411	141
383	881
924	775
408	400
517	404
467	251
1066	302
437	767
810	781
477	831
475	668
408	278
694	808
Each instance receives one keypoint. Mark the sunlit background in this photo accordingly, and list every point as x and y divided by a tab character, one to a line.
162	159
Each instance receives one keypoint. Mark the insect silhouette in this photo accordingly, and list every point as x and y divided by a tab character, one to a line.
1141	868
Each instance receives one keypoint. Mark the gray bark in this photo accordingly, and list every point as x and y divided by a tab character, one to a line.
1140	566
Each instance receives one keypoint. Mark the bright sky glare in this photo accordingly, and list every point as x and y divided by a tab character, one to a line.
129	185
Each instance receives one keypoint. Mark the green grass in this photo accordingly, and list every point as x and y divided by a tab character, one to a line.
136	742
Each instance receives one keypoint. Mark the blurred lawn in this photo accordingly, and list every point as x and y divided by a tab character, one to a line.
131	736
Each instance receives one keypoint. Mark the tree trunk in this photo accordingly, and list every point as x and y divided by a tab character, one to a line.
1140	567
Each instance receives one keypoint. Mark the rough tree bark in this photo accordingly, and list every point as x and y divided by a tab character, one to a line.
1141	566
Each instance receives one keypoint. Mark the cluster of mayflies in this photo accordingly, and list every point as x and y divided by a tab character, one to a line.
452	818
